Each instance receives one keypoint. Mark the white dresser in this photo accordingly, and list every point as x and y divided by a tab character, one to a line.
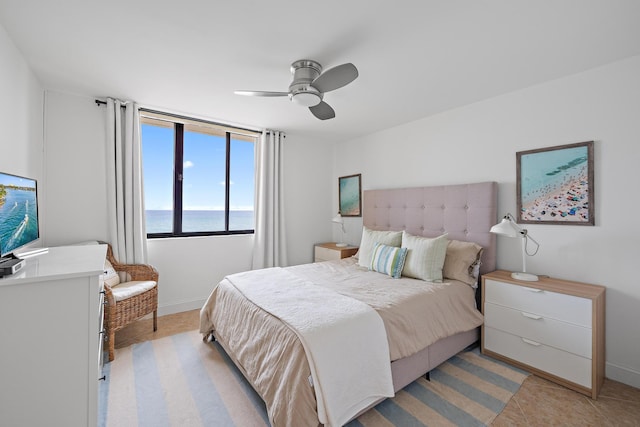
51	340
553	328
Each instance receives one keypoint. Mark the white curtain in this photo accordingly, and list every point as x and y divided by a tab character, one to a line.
127	232
269	241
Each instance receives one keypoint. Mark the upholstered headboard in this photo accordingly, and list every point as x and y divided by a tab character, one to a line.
464	211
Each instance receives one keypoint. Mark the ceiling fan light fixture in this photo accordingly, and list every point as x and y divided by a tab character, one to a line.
306	99
309	86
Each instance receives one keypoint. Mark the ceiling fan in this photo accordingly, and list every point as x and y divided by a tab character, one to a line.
310	84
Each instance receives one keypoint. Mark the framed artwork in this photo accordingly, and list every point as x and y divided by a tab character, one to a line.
555	185
349	200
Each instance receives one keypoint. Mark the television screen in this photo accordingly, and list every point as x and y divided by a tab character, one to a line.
18	212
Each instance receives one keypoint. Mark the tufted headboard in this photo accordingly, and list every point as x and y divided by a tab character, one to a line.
465	211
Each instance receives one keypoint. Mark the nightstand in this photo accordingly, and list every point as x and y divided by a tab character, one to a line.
553	328
329	251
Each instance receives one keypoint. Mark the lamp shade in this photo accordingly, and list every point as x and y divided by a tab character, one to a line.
506	227
338	219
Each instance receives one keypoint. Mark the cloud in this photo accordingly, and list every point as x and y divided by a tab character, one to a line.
187	164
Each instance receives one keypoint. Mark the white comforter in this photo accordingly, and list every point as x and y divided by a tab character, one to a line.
335	331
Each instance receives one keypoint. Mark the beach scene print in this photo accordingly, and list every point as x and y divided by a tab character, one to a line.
554	185
349	187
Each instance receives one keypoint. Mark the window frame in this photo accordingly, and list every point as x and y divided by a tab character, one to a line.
180	123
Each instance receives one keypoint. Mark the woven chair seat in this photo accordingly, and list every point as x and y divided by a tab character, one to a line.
126	290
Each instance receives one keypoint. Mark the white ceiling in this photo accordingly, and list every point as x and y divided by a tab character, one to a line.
415	58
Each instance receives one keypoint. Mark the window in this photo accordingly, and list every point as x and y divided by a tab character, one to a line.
198	176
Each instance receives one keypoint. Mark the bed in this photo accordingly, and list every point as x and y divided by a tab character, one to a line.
423	322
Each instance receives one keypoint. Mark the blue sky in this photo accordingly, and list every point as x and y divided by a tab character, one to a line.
203	167
16	180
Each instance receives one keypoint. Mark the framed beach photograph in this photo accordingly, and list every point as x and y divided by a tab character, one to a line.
349	190
555	185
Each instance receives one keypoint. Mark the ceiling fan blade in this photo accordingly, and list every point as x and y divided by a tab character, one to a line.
259	93
336	77
323	111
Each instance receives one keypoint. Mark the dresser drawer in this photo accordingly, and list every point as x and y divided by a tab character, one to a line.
101	331
557	362
554	333
326	254
567	308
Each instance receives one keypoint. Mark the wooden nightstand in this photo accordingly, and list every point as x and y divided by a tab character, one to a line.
329	251
553	328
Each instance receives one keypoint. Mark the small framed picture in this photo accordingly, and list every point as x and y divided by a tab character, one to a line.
349	190
555	185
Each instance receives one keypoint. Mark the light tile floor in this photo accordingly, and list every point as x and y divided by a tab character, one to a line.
538	402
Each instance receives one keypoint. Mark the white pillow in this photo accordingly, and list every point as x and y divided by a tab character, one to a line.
110	276
425	256
370	238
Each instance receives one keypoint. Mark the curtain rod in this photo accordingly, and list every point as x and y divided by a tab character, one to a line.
195	119
101	102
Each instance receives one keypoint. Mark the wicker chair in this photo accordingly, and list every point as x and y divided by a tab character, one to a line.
129	300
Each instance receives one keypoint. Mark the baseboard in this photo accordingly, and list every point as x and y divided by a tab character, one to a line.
180	307
623	375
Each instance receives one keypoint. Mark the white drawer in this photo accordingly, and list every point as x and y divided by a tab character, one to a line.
557	362
101	331
325	254
561	335
548	304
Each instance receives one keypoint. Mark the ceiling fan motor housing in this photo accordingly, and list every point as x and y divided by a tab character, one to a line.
301	92
309	86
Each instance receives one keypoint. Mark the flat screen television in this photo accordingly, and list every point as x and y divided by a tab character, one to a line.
18	213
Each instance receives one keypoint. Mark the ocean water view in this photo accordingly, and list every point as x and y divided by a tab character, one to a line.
548	173
161	221
18	219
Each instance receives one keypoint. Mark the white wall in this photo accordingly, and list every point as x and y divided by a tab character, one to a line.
308	191
478	143
188	267
75	169
20	116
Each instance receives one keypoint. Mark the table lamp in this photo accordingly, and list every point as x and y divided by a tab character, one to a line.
338	220
508	227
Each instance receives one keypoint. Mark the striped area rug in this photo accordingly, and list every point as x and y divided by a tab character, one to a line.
181	381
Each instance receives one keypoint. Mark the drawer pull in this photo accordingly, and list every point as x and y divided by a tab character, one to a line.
531	342
531	316
532	289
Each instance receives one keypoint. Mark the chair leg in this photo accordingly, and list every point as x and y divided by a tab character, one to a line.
155	320
112	340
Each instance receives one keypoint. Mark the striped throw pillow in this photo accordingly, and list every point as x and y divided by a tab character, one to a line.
388	259
425	257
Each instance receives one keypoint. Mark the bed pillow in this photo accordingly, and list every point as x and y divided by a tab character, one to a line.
425	256
370	238
110	276
462	262
388	259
